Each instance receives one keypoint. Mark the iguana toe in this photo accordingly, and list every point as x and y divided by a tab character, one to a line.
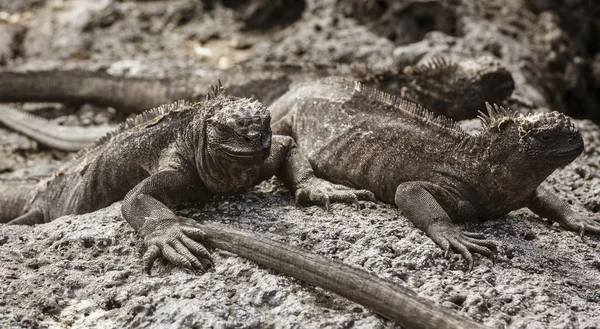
479	247
582	225
175	257
322	192
474	235
178	245
463	250
150	256
465	243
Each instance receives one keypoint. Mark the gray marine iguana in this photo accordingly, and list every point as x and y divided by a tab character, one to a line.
167	156
186	152
456	89
426	165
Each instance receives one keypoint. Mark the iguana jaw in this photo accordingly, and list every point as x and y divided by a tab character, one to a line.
240	131
247	153
568	153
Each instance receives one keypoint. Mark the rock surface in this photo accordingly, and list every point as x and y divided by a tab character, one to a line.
85	271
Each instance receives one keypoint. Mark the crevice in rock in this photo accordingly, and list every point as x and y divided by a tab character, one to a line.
266	14
402	22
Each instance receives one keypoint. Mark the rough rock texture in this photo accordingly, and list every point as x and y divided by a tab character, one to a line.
85	271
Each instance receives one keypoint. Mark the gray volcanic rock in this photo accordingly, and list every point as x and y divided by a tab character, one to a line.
85	271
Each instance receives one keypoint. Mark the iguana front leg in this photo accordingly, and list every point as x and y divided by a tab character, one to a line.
164	233
546	204
295	171
425	212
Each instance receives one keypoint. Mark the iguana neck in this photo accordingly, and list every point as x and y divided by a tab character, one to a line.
510	169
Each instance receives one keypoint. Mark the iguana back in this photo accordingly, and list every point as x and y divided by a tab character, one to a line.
363	137
425	164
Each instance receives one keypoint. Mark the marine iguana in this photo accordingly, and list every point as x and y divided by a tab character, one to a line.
457	89
171	155
427	165
187	152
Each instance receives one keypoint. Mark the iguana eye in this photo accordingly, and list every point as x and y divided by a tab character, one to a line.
545	137
218	128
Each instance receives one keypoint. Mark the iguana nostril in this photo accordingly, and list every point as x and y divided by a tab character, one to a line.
251	135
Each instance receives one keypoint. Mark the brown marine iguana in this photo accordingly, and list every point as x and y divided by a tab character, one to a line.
456	89
427	165
186	152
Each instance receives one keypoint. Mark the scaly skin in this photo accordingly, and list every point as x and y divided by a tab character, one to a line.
427	166
457	90
188	152
172	155
136	94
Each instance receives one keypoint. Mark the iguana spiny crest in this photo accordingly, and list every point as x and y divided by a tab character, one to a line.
541	135
458	89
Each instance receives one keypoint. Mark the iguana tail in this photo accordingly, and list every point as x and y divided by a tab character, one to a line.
130	95
387	298
67	138
15	198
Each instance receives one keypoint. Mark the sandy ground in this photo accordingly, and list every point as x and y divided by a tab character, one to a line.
85	271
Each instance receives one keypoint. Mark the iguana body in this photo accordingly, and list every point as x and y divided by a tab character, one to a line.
188	152
426	165
183	152
454	89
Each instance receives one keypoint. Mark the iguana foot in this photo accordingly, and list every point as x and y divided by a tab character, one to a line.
322	192
465	243
177	243
581	224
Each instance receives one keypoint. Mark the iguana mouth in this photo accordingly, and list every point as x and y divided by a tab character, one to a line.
241	153
569	152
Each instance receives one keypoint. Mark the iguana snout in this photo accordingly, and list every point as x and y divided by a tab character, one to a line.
241	130
550	135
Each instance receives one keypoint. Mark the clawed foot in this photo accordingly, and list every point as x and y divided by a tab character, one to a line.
582	224
465	243
177	243
322	192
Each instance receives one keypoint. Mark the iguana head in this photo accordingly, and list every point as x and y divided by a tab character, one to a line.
550	136
458	89
238	130
536	144
230	140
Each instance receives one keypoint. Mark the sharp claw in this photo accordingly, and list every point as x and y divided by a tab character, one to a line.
187	254
447	253
356	203
581	231
327	204
149	257
467	255
298	195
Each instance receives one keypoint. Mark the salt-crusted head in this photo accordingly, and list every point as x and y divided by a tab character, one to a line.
547	137
237	128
